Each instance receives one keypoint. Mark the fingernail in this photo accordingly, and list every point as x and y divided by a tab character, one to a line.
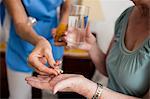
56	73
54	92
27	78
28	83
60	62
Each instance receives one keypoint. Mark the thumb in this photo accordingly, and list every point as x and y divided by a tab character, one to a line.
88	30
62	85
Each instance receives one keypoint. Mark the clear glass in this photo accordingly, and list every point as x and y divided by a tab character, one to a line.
77	23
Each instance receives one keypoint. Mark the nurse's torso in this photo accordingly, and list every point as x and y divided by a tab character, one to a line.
42	9
45	12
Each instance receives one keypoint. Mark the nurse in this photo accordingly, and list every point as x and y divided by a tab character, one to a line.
27	36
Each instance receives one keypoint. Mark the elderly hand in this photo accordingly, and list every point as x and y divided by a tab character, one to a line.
90	40
64	83
40	56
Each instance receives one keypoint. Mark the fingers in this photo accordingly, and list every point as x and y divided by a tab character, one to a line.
40	56
88	31
37	83
49	57
63	82
58	62
34	61
32	78
38	64
41	73
45	78
53	64
59	70
60	43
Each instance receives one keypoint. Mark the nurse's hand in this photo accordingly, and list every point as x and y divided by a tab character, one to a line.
63	43
64	83
40	56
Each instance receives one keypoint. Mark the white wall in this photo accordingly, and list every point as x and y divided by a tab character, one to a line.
105	28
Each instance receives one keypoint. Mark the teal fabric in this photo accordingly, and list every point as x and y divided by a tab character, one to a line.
128	71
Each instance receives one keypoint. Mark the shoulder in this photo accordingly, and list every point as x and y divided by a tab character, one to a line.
121	20
123	14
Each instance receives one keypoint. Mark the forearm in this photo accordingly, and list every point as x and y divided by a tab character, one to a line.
109	94
106	93
20	19
64	12
98	58
27	33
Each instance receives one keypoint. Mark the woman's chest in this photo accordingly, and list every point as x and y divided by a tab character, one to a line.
135	34
131	72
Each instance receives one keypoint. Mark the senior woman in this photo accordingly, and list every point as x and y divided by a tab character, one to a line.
126	64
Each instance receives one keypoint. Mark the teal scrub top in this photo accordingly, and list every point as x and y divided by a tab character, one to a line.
45	12
128	71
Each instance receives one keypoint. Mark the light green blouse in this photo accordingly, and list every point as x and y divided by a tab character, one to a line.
128	71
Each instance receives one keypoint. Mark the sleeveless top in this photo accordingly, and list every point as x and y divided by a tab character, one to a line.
128	71
45	12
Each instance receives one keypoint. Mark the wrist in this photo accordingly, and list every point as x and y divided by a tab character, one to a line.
98	92
92	90
88	90
39	39
92	47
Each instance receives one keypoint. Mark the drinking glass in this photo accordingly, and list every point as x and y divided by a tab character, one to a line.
77	23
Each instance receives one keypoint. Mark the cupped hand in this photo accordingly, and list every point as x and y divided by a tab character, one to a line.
65	83
41	55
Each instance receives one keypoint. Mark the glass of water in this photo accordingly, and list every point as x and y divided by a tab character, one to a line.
77	23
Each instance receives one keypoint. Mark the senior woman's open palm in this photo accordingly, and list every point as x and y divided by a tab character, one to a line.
63	83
